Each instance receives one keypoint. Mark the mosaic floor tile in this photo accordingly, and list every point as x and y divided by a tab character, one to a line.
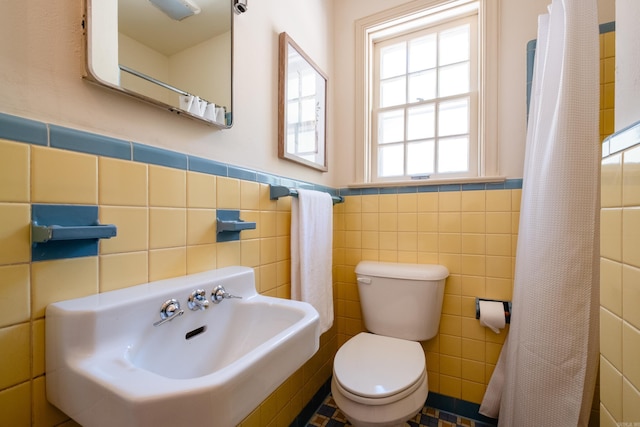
329	415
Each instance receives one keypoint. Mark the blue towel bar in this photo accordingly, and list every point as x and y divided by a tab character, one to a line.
277	191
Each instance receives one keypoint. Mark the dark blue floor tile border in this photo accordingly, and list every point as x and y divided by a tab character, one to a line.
437	401
458	407
307	412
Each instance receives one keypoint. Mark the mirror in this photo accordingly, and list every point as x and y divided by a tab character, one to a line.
183	64
302	95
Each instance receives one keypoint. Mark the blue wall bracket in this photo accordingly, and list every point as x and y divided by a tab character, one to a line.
66	231
229	225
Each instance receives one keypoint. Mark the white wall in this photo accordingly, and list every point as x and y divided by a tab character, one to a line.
627	104
518	25
42	61
142	58
197	71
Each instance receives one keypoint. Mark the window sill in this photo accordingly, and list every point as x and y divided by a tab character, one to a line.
427	182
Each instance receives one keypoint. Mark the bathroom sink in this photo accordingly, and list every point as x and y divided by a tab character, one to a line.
113	359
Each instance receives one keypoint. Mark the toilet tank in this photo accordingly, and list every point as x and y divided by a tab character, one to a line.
401	300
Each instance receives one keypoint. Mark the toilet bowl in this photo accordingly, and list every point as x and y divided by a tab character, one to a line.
379	381
380	376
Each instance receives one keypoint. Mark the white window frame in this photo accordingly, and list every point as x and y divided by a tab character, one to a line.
371	28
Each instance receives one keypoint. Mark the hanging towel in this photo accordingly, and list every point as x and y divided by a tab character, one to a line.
311	252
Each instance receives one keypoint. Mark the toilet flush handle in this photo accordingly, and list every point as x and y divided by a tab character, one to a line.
364	280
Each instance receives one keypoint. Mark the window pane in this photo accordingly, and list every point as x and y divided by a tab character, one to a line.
421	122
292	112
420	157
391	126
393	92
307	142
453	117
422	53
393	60
422	86
308	84
454	45
293	87
453	80
308	110
391	160
453	154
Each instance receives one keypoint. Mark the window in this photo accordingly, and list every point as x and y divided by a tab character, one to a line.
425	102
302	109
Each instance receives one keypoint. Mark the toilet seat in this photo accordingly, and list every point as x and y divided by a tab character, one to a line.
378	370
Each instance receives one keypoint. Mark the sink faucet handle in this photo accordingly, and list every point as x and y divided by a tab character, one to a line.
198	300
219	293
170	310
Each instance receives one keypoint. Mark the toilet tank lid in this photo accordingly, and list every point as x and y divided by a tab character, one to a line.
402	271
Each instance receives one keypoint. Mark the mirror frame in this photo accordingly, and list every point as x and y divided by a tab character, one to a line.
285	44
92	77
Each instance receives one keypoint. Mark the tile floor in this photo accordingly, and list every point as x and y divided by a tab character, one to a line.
328	415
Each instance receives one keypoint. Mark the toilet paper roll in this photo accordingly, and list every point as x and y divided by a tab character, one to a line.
492	315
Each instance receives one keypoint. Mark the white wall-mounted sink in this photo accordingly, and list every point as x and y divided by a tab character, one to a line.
107	364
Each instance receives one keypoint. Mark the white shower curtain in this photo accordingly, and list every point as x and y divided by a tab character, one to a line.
547	369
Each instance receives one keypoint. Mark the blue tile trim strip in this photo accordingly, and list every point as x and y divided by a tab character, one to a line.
607	27
459	407
211	167
159	156
33	132
621	140
23	130
509	184
84	142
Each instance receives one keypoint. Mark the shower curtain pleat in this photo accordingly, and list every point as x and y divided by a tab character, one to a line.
547	370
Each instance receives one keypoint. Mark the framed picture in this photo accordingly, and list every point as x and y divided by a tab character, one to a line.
302	107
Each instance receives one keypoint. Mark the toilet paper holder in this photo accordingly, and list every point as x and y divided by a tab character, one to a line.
506	304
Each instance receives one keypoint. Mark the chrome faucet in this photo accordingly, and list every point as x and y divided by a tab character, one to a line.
198	300
170	310
219	293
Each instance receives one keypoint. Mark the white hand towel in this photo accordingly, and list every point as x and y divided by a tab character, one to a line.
311	253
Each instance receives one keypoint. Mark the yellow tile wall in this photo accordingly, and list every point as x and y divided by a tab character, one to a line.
472	233
166	228
620	289
607	83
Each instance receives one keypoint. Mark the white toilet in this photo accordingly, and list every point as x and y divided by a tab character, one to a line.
380	378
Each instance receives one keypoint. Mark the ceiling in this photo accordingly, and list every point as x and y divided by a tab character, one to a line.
142	21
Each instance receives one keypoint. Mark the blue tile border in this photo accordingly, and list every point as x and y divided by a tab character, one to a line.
159	156
508	184
607	27
310	408
459	407
23	130
30	131
621	140
434	400
211	167
85	142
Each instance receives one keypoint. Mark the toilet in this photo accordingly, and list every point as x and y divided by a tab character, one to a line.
380	376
